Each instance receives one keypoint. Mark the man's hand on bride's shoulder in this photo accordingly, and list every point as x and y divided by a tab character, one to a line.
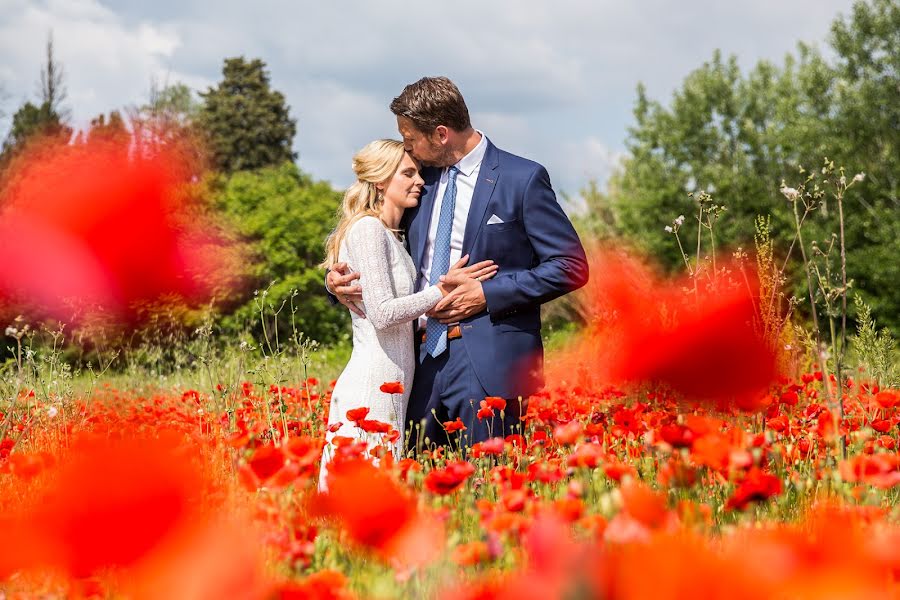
344	285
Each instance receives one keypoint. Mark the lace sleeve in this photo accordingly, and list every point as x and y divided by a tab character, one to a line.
369	253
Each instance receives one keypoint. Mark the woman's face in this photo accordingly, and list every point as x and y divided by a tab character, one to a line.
404	188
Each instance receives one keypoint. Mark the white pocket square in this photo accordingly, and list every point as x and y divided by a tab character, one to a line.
494	220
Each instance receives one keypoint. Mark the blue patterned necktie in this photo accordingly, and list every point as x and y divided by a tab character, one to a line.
435	331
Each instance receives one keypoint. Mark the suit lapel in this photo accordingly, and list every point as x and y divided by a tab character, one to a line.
481	197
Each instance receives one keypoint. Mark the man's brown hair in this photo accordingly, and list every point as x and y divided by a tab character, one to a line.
432	101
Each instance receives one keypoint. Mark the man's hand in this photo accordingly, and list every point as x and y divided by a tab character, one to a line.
339	282
465	300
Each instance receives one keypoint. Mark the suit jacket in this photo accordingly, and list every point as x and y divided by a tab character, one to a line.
539	255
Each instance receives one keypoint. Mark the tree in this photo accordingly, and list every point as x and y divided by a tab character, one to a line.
246	123
170	117
285	217
113	128
738	136
33	121
45	119
52	87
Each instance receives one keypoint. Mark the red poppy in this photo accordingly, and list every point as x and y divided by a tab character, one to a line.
102	223
372	426
678	436
454	426
888	398
266	461
756	486
108	504
485	412
493	446
450	478
375	512
568	433
355	415
496	402
586	455
879	470
709	351
322	585
392	387
470	554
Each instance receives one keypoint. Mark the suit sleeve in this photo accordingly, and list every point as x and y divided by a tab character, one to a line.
561	266
331	297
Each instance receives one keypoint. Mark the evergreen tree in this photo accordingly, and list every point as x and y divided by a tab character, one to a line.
246	123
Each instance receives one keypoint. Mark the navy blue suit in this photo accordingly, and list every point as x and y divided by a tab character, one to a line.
500	352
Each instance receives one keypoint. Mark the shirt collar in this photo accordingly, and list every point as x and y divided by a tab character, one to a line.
472	160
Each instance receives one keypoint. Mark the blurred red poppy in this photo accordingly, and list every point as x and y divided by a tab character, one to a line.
108	504
450	478
99	223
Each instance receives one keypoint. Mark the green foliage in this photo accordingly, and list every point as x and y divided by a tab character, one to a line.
876	350
34	121
740	135
246	123
285	217
112	128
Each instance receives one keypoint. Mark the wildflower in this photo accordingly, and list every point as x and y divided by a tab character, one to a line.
454	426
568	434
679	221
108	504
356	415
266	462
52	412
668	229
888	398
470	554
450	478
790	193
858	177
392	387
496	402
373	426
375	512
756	486
485	412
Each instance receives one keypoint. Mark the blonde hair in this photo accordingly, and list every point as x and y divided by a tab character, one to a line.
376	163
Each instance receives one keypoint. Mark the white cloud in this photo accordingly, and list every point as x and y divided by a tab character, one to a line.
107	63
553	81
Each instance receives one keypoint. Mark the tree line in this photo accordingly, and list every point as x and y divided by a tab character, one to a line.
732	134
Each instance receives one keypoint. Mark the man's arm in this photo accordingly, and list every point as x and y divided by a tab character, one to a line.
340	289
562	264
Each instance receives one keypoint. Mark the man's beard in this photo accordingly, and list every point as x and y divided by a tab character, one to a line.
444	156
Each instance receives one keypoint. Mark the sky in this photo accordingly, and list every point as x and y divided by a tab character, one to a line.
552	81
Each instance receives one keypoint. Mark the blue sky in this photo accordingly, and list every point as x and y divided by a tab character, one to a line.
553	81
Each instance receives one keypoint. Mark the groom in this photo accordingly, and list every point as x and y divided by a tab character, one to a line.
484	339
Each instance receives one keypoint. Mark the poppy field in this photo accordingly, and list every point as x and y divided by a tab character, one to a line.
695	438
658	465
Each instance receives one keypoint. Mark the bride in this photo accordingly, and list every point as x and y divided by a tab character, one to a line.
367	238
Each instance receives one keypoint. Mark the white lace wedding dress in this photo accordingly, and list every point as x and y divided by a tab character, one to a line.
383	340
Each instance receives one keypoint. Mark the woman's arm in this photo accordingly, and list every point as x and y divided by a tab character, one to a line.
369	252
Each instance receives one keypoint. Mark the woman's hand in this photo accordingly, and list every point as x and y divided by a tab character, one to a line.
450	282
481	271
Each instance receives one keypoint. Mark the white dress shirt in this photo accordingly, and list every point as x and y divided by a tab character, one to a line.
469	167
